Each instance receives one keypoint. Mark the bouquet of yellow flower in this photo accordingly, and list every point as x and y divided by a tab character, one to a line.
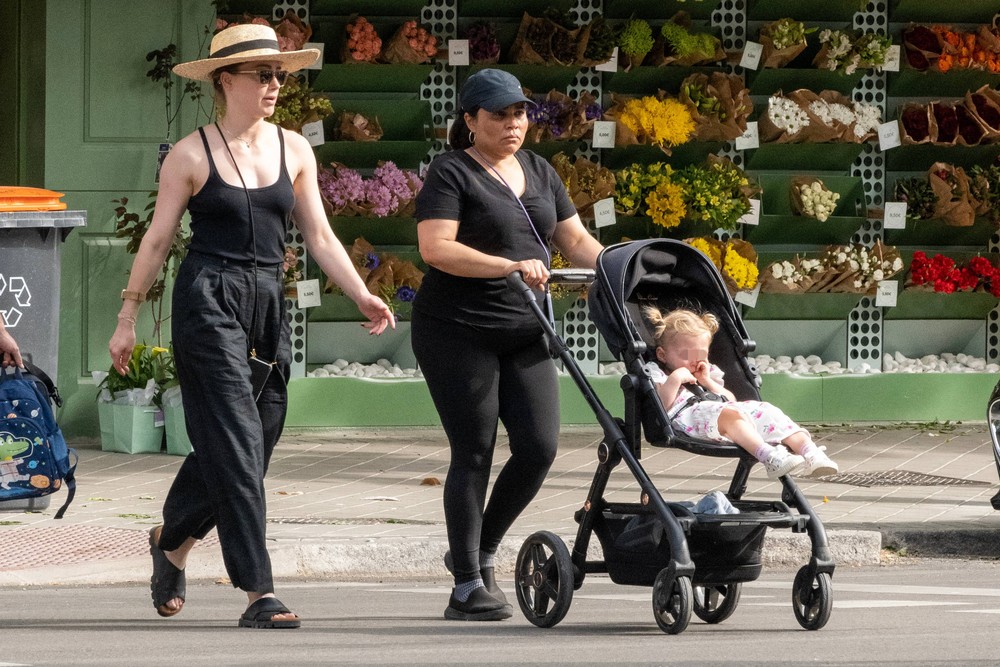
736	260
660	120
650	190
717	193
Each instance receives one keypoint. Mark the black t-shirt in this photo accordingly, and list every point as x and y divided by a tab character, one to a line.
491	221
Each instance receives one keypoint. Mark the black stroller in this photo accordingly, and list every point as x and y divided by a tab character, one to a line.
694	562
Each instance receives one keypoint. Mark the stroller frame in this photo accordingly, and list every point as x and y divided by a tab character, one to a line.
547	573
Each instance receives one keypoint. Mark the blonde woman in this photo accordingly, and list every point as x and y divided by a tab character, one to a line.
243	180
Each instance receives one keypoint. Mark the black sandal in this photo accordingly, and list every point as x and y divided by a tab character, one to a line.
168	581
261	615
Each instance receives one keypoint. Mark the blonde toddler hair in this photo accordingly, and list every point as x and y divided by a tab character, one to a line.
667	326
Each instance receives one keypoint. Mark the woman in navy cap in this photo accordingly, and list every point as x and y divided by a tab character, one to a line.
488	209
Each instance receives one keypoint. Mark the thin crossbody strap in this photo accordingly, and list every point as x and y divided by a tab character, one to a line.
531	223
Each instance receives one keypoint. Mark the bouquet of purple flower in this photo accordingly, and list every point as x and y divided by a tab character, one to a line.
387	276
556	116
390	191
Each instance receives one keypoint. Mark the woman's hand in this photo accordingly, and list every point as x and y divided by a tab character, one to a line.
533	271
121	345
378	313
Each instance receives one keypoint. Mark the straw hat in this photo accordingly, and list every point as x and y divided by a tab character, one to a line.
244	43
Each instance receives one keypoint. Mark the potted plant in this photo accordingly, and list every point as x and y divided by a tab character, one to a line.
129	405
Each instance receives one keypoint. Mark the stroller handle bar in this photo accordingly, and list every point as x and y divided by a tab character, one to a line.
557	276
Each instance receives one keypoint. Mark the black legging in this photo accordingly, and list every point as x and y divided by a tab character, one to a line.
476	377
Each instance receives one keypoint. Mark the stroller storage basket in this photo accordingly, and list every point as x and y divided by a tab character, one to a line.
724	548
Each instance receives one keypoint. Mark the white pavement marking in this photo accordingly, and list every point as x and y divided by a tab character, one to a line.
897	590
870	604
975	611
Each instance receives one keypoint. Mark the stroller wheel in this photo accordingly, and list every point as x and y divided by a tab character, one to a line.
714	604
544	579
672	601
812	599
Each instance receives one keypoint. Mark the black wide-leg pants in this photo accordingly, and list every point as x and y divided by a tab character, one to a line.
221	483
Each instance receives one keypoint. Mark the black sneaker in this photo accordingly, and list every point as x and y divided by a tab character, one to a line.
480	606
488	576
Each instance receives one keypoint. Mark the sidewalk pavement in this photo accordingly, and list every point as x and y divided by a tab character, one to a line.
365	504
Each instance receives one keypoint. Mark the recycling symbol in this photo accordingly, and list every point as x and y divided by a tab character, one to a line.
17	287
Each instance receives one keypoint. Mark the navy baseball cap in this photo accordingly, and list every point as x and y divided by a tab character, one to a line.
491	89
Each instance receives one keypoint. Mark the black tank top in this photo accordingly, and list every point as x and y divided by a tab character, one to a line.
220	224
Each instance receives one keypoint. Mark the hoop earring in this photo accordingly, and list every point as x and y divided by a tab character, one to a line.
472	137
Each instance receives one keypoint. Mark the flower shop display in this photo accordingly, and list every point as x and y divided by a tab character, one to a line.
943	274
660	121
412	44
678	44
949	123
557	116
735	258
811	198
127	404
803	116
954	204
357	127
586	182
484	47
843	51
950	194
363	45
634	42
943	48
389	192
298	105
782	40
719	103
854	269
394	280
543	41
716	193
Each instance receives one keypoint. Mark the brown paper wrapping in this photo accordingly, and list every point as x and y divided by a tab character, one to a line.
954	204
294	30
399	52
984	104
923	47
734	103
355	127
917	124
533	43
587	182
773	58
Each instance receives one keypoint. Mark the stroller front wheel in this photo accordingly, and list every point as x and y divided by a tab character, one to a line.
544	579
812	599
673	601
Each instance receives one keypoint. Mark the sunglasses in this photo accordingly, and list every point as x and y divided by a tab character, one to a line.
265	75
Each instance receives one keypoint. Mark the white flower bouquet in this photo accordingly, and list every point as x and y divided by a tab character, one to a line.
811	198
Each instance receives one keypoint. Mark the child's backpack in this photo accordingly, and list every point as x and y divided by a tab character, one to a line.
34	458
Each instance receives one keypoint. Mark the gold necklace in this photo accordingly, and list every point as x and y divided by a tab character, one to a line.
243	141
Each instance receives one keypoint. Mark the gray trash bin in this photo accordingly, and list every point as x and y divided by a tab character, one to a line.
29	292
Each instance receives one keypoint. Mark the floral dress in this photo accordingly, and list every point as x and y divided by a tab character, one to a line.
700	419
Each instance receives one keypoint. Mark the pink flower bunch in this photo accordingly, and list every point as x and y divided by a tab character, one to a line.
389	191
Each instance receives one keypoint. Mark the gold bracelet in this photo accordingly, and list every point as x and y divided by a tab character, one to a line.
126	318
134	295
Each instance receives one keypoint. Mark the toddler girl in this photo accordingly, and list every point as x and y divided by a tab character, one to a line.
682	339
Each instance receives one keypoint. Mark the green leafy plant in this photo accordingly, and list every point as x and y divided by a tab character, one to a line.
686	44
920	199
146	363
636	38
132	227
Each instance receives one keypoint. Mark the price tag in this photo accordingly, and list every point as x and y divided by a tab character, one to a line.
753	217
316	45
447	129
895	215
158	418
458	52
886	295
749	139
611	65
604	134
313	132
161	155
751	55
307	293
604	212
892	59
888	135
748	299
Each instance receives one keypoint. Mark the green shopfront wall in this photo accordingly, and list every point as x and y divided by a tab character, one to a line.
103	122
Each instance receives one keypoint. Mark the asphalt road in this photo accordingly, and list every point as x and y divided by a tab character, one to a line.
913	612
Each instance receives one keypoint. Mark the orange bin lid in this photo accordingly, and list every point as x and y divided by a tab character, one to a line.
16	198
